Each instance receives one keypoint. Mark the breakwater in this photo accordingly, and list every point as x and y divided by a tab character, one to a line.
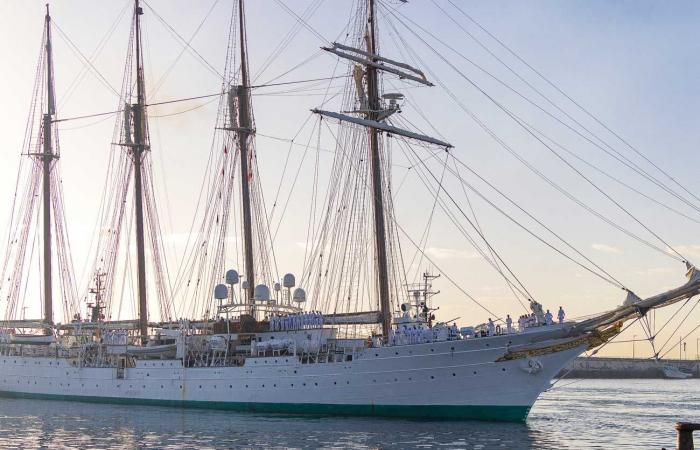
599	367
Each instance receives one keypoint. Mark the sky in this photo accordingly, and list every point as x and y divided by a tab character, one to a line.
633	64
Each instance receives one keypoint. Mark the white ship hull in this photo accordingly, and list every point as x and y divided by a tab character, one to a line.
453	379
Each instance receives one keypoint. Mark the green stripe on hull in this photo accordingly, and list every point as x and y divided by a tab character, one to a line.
428	412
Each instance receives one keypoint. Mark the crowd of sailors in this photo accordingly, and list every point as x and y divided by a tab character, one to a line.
115	337
298	321
407	334
532	320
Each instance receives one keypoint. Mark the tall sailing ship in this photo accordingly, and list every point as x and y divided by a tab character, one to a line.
366	344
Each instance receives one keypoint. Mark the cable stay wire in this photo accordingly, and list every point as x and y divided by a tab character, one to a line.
573	101
187	45
85	59
184	42
601	144
602	276
495	261
358	171
302	22
552	150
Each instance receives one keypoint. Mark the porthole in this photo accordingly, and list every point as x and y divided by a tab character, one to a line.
432	377
230	386
503	369
262	385
315	384
475	372
432	349
303	384
454	374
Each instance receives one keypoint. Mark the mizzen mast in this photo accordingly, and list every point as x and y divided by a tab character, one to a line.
48	157
240	96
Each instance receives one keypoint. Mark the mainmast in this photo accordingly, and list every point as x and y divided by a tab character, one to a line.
374	107
139	148
240	96
47	159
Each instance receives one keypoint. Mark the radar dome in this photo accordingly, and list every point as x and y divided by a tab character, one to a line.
262	292
277	287
289	281
232	277
299	295
220	292
245	285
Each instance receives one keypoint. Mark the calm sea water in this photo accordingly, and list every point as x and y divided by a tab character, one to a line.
634	414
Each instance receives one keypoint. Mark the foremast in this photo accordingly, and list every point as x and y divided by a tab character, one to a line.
48	158
374	115
373	101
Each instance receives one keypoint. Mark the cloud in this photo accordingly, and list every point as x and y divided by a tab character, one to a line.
450	253
605	248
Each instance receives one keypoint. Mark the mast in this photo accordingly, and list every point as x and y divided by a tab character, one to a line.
139	148
47	159
374	107
244	131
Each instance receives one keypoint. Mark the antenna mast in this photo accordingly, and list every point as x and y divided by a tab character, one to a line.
47	159
374	108
138	150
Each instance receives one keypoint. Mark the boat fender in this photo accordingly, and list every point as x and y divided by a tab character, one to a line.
531	365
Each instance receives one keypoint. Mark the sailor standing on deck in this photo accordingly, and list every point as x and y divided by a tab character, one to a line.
548	318
509	324
492	327
561	315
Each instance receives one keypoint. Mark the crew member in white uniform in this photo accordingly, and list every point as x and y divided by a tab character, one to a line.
548	318
492	327
509	324
561	315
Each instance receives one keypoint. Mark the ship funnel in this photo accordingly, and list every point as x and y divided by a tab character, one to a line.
299	295
220	292
232	277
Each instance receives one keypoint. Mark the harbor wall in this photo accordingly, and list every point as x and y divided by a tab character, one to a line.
603	367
